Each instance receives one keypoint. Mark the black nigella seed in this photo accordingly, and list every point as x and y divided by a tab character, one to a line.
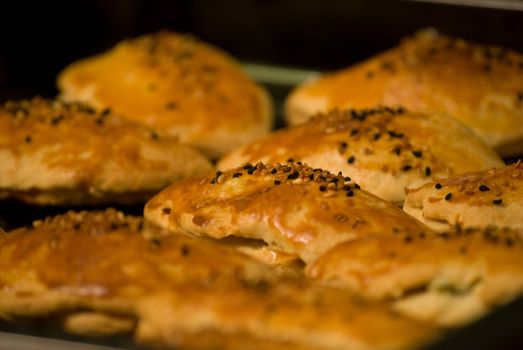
57	119
417	154
346	178
484	188
323	188
354	132
247	166
376	136
346	187
497	201
166	210
428	171
407	167
184	250
277	182
351	159
438	186
237	174
274	171
293	175
350	193
448	196
28	139
290	160
251	170
397	151
356	186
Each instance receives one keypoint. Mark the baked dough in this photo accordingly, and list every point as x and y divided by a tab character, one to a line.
56	153
385	150
109	273
481	86
174	83
481	199
280	316
449	279
104	263
288	207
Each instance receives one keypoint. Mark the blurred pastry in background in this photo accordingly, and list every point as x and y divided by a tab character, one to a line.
92	266
289	208
480	199
481	86
177	84
56	153
448	279
386	150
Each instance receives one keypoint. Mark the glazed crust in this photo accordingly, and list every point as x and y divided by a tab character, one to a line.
480	199
104	263
175	83
449	279
289	207
385	150
109	273
280	316
481	86
70	154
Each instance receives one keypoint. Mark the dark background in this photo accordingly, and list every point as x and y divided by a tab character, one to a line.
38	39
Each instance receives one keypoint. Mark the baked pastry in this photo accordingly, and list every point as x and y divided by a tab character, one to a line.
289	207
481	199
100	273
448	279
174	83
55	153
94	267
279	316
385	150
481	86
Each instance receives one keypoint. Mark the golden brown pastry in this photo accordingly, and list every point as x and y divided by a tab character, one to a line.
385	150
103	272
279	316
288	207
449	279
69	154
481	199
174	83
481	86
94	266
